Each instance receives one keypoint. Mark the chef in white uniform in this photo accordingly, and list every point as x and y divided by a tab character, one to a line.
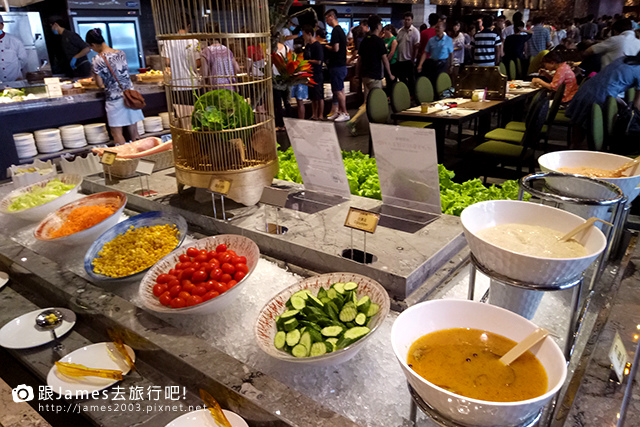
13	56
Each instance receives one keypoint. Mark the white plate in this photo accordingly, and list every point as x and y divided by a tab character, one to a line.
95	356
202	418
21	332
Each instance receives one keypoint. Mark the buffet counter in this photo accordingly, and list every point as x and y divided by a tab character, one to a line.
218	352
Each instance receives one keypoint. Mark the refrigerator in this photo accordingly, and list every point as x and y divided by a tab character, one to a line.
122	33
27	26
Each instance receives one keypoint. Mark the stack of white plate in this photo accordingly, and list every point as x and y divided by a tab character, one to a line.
165	120
25	145
73	136
96	133
48	140
152	124
140	125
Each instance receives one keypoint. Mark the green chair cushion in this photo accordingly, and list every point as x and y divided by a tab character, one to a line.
505	135
520	127
499	148
415	124
561	118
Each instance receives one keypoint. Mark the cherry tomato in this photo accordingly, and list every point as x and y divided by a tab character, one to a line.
188	272
215	263
207	268
212	255
173	272
232	253
228	268
163	278
224	257
196	266
188	286
242	267
209	295
179	266
199	290
184	258
194	300
192	252
202	252
226	277
173	283
175	290
184	295
199	276
231	284
242	259
209	285
201	258
239	275
219	287
221	248
178	303
159	289
235	259
215	274
165	299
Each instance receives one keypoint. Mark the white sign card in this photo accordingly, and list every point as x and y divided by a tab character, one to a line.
274	196
618	357
408	167
145	167
54	89
318	155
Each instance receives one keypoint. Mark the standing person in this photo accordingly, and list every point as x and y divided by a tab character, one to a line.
589	29
408	44
622	43
301	93
514	44
552	61
440	49
573	32
218	66
373	58
511	29
499	26
280	95
337	64
289	33
13	56
540	38
561	32
108	65
427	33
486	45
314	53
458	38
391	42
469	37
75	49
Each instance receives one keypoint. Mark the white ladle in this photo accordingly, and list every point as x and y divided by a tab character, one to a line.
523	346
581	227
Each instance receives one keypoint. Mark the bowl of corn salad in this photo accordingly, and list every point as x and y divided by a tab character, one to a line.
82	221
131	247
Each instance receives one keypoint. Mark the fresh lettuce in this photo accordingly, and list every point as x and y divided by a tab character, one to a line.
221	109
39	195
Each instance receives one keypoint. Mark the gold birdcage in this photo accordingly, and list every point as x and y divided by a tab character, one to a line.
219	93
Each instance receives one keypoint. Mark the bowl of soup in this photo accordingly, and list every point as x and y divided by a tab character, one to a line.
520	240
594	164
449	351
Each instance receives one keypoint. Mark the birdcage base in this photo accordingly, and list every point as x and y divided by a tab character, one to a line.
246	184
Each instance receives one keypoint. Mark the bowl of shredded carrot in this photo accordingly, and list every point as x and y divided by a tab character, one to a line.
82	221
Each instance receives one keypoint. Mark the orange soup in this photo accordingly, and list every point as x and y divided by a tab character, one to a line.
467	362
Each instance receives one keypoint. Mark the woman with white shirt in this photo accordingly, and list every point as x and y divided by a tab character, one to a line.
458	38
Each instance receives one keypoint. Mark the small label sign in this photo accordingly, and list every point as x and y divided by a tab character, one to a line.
362	220
274	196
145	167
108	157
220	186
618	357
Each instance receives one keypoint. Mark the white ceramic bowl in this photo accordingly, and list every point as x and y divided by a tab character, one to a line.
265	329
202	418
630	185
54	220
243	246
431	316
528	268
38	213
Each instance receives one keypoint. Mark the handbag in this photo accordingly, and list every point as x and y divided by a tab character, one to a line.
132	98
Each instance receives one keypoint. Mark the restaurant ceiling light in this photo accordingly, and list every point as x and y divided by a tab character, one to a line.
444	2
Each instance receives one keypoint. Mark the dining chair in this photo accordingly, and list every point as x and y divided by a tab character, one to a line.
514	136
518	68
630	95
610	116
595	134
443	83
424	90
503	68
401	101
536	62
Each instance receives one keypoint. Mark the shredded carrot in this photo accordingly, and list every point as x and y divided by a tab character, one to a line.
82	218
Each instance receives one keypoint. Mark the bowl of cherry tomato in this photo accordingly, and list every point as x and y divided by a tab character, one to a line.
201	279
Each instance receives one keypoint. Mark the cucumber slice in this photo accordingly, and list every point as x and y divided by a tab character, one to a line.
313	301
305	340
293	338
373	309
316	336
301	294
356	333
363	304
300	351
331	293
322	292
329	347
290	324
289	314
333	311
280	340
350	286
325	300
310	325
350	325
361	319
318	349
279	324
298	303
332	331
333	341
339	287
348	312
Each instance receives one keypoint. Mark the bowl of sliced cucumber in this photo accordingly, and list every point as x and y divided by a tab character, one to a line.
322	320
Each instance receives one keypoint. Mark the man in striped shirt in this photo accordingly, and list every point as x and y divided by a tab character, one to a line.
486	45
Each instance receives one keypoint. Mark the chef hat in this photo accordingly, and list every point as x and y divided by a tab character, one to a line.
295	21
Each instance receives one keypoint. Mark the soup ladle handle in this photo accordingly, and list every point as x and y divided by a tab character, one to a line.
524	345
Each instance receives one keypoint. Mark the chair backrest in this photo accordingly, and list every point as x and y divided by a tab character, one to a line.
518	68
596	129
610	115
443	83
534	129
377	106
630	95
536	62
400	97
424	90
537	98
503	68
513	74
555	105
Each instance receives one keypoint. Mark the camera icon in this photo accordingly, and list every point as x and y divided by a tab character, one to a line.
22	393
